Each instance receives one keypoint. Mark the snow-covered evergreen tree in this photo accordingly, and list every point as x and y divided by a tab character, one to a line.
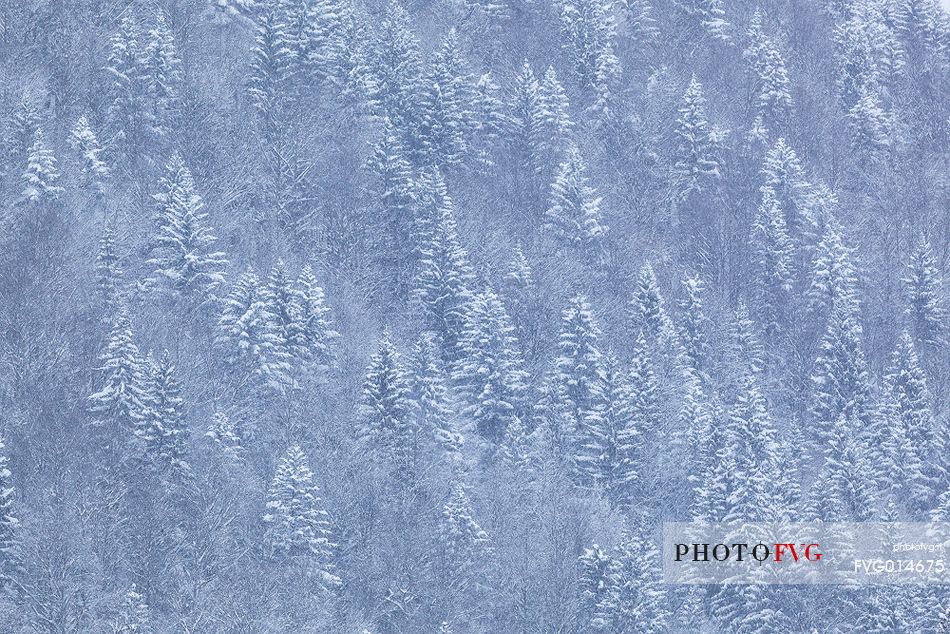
182	245
773	101
490	374
10	547
318	338
635	599
694	326
298	527
41	174
463	546
773	252
127	115
134	616
165	78
694	158
84	142
447	119
120	401
926	305
109	273
164	429
269	85
387	426
247	332
574	214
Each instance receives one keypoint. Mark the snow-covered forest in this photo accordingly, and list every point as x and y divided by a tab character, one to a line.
423	316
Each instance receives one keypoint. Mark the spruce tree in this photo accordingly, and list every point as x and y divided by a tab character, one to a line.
705	16
694	159
271	77
926	305
298	527
833	277
84	142
590	31
634	599
247	331
10	550
127	115
574	214
773	100
489	374
165	78
525	120
649	317
283	300
387	426
164	429
134	617
579	365
120	401
555	124
694	326
396	68
463	547
447	118
41	174
108	274
445	281
182	246
318	338
773	253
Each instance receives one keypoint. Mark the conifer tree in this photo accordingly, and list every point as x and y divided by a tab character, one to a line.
574	214
444	283
430	390
489	374
41	174
463	546
555	124
271	69
134	616
695	160
844	491
317	335
247	331
225	433
649	317
183	254
84	142
447	119
590	31
109	273
695	327
707	16
579	365
773	99
525	120
127	115
120	402
840	379
164	429
165	78
298	527
283	303
10	551
926	303
396	67
20	131
645	404
488	113
773	262
634	599
782	173
387	426
833	277
871	129
594	582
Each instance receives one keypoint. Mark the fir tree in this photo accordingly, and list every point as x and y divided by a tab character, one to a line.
317	335
387	426
463	546
396	67
84	142
695	327
444	283
134	616
554	120
447	119
164	429
782	173
271	69
10	550
590	31
283	303
843	491
926	304
773	99
489	374
21	130
773	262
182	246
41	174
397	191
833	277
871	129
109	273
127	118
120	402
298	527
165	78
594	582
226	435
649	317
579	365
488	113
634	599
247	331
574	214
430	391
525	121
695	161
840	379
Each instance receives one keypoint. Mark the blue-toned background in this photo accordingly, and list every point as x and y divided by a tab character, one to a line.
346	316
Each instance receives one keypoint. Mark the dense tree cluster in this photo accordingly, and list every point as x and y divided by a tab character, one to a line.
379	317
